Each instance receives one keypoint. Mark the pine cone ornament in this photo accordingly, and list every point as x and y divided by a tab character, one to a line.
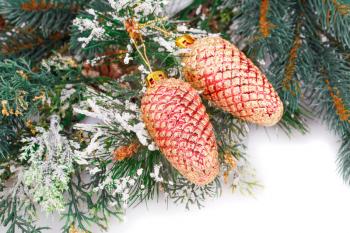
178	123
230	80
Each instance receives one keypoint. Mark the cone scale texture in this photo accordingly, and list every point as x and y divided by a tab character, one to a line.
178	123
231	81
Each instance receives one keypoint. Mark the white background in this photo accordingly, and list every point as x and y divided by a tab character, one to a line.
302	193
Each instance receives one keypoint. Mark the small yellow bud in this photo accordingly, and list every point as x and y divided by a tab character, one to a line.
4	110
73	229
22	74
18	113
230	160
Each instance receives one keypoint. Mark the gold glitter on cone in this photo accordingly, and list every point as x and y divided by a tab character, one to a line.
231	81
178	123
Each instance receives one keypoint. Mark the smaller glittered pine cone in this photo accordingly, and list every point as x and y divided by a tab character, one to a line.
177	121
124	152
231	81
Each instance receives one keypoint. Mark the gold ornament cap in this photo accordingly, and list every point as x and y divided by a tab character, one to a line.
155	77
184	41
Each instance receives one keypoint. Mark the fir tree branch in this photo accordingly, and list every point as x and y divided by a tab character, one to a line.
47	16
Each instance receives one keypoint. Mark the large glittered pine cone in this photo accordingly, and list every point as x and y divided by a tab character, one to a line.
231	81
178	123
